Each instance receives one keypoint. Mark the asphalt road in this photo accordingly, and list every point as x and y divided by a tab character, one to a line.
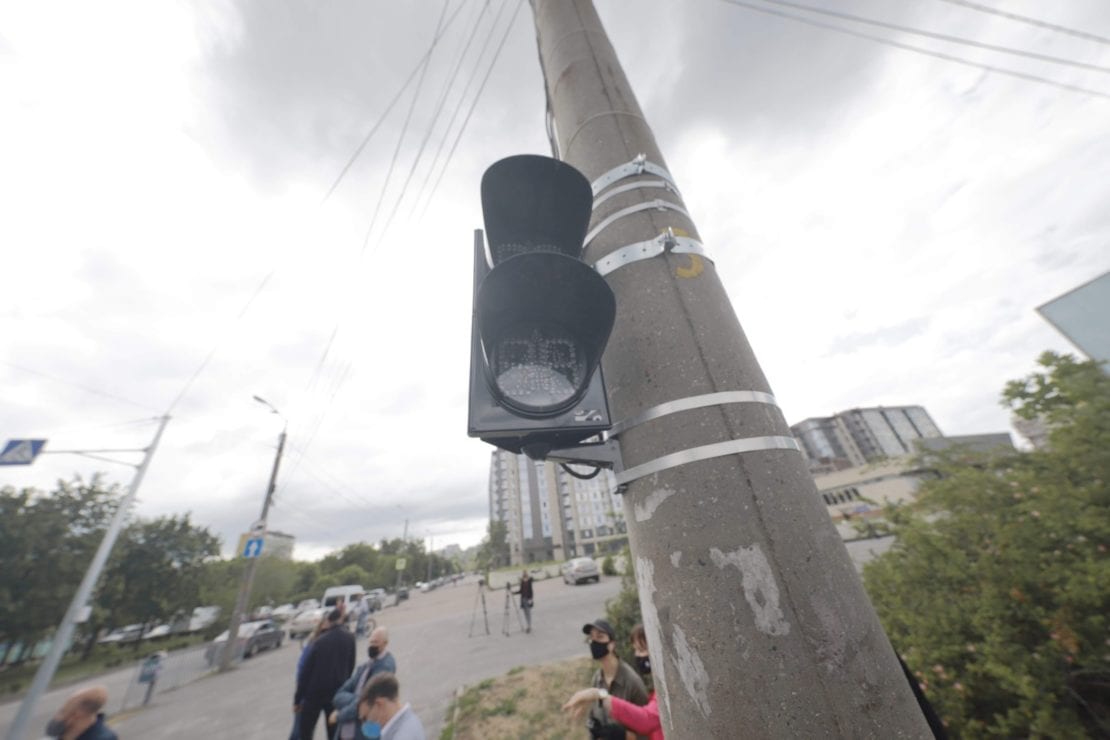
428	637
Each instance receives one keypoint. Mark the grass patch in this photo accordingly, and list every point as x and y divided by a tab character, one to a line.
524	703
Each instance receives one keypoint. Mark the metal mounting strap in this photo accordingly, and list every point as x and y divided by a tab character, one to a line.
660	184
692	402
637	166
706	452
618	215
665	242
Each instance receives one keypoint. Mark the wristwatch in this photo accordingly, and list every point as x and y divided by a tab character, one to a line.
602	694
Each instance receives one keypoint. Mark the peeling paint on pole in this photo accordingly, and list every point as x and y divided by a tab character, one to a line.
652	501
760	589
695	679
645	582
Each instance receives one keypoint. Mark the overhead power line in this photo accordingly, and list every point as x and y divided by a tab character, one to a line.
446	91
1031	21
381	119
918	49
401	139
405	128
939	36
474	103
78	386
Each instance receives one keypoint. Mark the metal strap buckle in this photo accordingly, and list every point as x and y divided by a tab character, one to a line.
665	242
637	166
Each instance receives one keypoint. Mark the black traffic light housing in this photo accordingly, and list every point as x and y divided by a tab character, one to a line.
541	315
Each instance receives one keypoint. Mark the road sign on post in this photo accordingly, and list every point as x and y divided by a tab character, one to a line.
401	562
253	547
21	451
541	316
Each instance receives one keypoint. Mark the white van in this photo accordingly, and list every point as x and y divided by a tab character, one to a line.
342	594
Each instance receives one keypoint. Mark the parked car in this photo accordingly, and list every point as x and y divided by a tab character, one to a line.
130	633
307	604
579	570
283	612
162	630
401	595
376	597
253	636
304	622
203	617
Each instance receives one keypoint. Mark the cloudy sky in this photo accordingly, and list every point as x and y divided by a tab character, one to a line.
885	222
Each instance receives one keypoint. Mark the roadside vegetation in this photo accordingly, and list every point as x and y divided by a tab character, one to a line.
160	570
525	702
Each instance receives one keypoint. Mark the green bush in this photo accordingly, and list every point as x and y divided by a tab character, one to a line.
608	567
623	610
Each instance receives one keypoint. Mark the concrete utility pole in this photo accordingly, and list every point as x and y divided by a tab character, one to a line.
757	622
252	563
64	633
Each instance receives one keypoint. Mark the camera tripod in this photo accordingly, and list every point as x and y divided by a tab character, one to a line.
480	596
510	603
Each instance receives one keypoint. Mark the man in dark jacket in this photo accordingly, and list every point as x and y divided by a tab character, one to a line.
325	669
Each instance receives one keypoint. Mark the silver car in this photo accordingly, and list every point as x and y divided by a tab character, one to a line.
579	570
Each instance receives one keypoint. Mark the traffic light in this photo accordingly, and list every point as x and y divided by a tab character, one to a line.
541	315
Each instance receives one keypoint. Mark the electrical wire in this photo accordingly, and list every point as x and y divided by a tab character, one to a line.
1031	21
424	141
566	469
219	343
388	109
918	49
477	97
79	386
458	68
466	89
404	130
936	35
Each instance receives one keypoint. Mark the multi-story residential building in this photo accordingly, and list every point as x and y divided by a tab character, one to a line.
551	515
857	436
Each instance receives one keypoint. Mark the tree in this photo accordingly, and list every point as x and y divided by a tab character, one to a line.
156	570
494	549
997	590
46	543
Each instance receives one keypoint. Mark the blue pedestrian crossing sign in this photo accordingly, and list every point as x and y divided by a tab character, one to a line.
21	451
253	548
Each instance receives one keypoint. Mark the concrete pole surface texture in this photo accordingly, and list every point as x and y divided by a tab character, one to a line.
757	623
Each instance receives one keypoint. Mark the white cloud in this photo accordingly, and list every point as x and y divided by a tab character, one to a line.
884	223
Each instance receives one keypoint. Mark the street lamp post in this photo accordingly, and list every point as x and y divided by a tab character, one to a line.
248	575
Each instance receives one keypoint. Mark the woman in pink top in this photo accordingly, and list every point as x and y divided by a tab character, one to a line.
640	720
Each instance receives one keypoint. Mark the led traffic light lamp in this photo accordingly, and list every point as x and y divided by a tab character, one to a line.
542	316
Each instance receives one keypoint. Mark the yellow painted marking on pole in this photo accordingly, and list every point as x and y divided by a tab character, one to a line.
677	232
696	268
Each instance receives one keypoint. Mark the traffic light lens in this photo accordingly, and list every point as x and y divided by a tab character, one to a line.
538	368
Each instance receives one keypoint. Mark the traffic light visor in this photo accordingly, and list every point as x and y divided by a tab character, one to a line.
533	203
543	319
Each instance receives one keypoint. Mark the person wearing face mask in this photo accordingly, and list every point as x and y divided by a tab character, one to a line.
613	678
640	720
80	717
382	714
346	699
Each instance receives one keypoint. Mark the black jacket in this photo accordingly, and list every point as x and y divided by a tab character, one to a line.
330	661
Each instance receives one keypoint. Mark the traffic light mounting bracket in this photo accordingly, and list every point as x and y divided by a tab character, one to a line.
605	454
